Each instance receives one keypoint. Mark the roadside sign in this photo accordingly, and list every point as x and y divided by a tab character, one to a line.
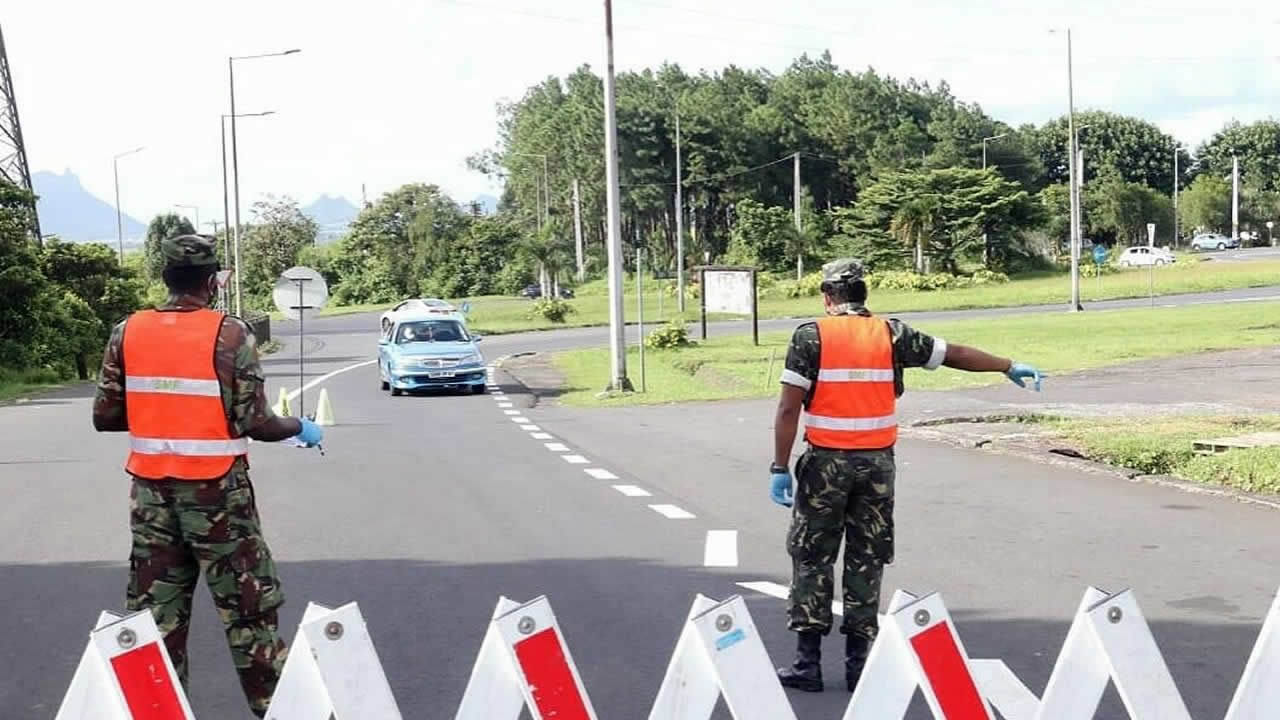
1151	234
1099	254
299	289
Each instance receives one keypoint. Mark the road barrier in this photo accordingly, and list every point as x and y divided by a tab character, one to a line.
333	671
125	674
524	663
324	410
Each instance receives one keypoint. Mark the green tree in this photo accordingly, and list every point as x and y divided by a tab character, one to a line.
1120	211
91	272
1206	205
763	237
1257	146
162	227
913	225
271	244
1128	148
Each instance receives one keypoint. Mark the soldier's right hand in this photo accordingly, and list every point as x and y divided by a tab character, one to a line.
780	486
311	434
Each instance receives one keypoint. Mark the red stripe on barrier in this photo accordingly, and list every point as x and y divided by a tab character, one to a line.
948	675
555	692
148	689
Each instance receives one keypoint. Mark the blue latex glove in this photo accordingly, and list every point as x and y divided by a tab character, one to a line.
780	488
1019	373
311	434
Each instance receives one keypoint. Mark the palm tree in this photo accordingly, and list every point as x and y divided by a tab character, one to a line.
546	249
914	223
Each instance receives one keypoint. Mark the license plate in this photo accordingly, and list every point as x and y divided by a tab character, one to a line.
443	374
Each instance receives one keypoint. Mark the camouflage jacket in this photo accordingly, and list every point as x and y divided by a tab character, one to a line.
911	349
235	361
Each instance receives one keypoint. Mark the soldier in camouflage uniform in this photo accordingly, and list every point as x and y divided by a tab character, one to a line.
182	527
845	493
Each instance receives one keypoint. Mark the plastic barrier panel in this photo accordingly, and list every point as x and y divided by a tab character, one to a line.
719	653
524	662
333	671
917	648
125	674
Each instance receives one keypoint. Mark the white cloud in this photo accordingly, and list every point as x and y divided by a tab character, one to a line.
392	91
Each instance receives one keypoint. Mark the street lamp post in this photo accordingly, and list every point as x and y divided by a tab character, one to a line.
617	330
235	165
226	208
1176	150
115	171
986	248
1071	175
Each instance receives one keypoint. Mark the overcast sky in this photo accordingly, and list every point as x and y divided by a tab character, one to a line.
391	91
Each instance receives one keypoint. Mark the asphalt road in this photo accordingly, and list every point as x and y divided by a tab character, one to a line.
425	509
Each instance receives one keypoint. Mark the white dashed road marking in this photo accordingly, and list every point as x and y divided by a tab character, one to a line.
782	592
672	512
505	405
632	491
541	436
556	447
520	420
600	474
575	459
510	412
721	549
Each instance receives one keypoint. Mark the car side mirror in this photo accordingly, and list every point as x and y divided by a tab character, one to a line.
477	338
466	308
383	341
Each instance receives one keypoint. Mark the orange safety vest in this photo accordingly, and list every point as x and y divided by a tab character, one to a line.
854	404
177	423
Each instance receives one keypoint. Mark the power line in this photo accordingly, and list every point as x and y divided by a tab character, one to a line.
713	178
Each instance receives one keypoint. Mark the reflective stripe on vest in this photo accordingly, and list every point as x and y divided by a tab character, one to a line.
173	386
197	448
853	406
177	421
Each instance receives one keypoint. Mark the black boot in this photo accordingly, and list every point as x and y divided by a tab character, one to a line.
856	650
805	672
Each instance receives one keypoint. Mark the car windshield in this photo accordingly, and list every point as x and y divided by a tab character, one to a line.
431	331
436	303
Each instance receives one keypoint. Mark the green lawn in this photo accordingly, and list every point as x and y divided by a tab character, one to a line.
495	314
18	383
730	367
1162	446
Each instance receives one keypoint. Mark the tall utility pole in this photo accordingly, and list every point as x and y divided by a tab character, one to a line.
577	231
14	167
795	202
1075	190
1235	198
679	221
115	171
617	330
1176	148
235	157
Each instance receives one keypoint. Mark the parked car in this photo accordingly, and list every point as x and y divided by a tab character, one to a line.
533	292
1213	241
420	351
1143	255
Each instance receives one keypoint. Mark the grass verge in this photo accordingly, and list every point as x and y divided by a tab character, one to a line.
16	383
496	314
731	367
1162	446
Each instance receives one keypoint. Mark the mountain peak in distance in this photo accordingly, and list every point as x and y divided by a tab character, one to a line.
74	214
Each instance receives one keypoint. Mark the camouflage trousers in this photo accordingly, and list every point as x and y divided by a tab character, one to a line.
840	494
181	529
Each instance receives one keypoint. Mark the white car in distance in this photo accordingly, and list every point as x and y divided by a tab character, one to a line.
1143	255
420	306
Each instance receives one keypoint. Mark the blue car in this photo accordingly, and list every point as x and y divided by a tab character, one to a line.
425	351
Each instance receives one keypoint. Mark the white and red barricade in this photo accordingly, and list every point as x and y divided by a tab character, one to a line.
125	674
524	662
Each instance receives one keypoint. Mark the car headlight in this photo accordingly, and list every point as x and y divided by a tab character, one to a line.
474	358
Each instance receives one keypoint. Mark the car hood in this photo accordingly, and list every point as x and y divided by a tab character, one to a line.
435	349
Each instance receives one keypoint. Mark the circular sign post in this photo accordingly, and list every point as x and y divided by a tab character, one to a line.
300	291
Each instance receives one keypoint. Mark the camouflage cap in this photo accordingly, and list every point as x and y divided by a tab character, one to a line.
844	270
189	251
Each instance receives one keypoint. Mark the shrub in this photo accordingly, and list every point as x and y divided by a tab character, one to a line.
989	277
672	335
551	309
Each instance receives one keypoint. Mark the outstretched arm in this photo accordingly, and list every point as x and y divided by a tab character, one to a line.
963	357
